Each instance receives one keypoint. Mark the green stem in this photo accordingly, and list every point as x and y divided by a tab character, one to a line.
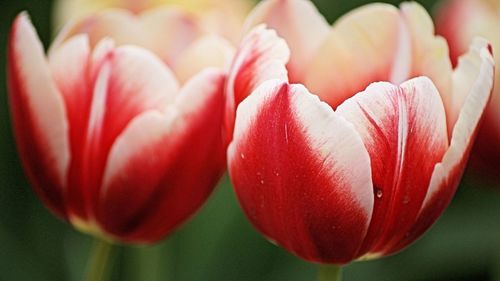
99	261
330	273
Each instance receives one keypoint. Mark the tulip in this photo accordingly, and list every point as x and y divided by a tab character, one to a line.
350	143
110	138
222	17
459	22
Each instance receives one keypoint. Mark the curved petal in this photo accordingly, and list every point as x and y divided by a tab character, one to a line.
125	82
362	47
446	175
165	31
301	173
70	70
38	114
120	25
299	23
208	51
164	165
261	56
429	52
464	77
404	131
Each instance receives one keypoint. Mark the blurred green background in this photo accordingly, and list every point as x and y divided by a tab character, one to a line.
219	243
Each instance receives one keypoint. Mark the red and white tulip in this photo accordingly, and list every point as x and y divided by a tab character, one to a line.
342	166
112	139
459	21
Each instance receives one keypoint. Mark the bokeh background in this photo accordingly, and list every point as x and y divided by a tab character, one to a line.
219	243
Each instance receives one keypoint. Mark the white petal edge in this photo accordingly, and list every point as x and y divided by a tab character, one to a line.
44	99
266	54
476	94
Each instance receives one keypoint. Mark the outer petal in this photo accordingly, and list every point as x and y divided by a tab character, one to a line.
459	21
164	165
447	174
404	130
299	23
362	47
39	115
261	56
465	76
301	173
70	70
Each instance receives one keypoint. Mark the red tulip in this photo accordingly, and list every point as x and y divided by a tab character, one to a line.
357	169
109	139
459	21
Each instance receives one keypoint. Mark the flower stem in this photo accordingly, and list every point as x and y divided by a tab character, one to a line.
330	273
98	264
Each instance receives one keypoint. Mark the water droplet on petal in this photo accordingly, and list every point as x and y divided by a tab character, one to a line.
261	181
378	192
242	156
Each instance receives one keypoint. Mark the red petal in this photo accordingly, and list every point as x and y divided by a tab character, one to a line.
38	115
261	56
446	175
164	165
70	70
404	130
301	173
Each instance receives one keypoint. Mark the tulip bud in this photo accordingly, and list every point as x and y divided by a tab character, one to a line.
115	136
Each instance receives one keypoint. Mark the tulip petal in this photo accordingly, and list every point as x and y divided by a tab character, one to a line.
404	131
464	77
121	25
476	72
363	46
261	56
165	31
208	51
299	23
169	31
70	70
429	52
38	114
126	81
149	187
301	173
